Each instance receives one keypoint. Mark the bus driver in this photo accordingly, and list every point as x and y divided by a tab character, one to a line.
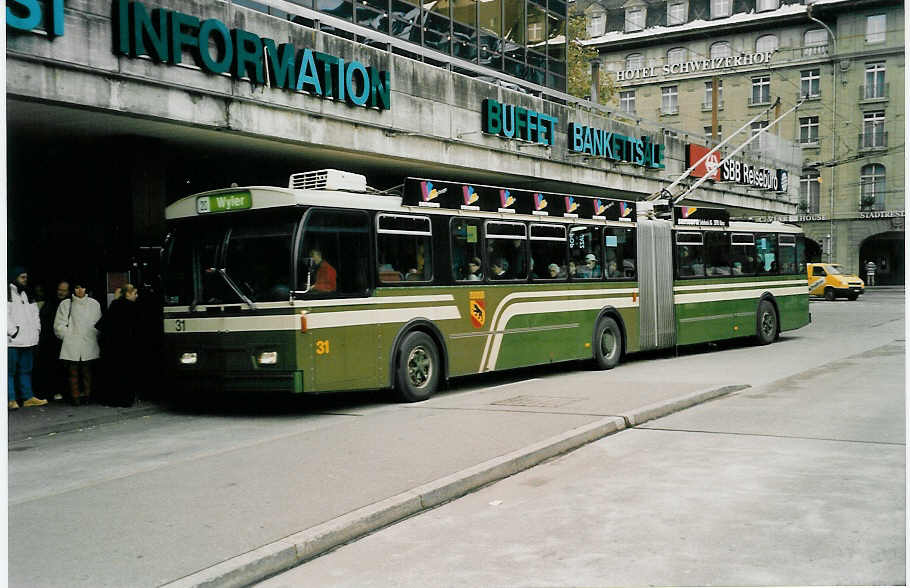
325	273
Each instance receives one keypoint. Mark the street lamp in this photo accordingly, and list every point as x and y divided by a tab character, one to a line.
833	187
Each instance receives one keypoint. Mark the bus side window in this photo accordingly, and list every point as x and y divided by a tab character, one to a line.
742	258
690	255
467	250
340	240
585	252
766	248
548	252
787	244
717	251
506	251
404	248
800	254
619	248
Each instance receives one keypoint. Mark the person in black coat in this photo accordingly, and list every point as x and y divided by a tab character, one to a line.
121	333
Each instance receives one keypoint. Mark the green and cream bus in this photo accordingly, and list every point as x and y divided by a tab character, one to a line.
327	285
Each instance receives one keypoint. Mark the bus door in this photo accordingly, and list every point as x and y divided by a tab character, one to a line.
340	348
656	312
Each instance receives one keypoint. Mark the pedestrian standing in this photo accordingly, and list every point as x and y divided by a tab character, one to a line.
50	374
121	340
75	326
23	327
870	273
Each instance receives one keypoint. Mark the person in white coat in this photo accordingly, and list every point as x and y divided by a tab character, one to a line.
22	329
75	326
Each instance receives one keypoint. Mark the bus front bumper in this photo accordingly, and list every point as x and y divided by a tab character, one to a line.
260	381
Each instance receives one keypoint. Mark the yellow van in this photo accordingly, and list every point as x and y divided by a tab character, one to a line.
831	280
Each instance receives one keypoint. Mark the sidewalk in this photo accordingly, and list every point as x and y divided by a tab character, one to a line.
59	416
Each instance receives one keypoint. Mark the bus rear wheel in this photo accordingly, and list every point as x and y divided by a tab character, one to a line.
766	327
417	373
607	343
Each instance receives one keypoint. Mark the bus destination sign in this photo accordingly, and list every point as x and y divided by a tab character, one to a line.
452	195
224	202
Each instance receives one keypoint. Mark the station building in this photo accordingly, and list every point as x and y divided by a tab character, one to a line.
116	109
709	66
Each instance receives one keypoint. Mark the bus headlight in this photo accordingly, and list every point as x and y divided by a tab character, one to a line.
188	358
268	358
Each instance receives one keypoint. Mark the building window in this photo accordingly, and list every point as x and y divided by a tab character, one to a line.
635	61
669	100
635	18
873	129
815	42
720	50
676	13
872	187
875	28
809	193
809	83
763	5
808	130
761	90
875	81
721	8
676	56
756	127
627	101
597	24
709	95
766	43
709	133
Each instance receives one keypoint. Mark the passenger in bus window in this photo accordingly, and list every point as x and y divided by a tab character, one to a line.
499	268
573	270
613	270
628	268
590	268
325	274
553	270
737	268
474	272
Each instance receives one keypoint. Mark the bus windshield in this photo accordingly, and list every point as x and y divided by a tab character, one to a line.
230	260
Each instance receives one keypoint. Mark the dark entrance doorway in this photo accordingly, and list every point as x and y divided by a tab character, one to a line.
887	251
813	251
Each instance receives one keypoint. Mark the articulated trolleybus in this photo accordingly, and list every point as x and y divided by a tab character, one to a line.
327	285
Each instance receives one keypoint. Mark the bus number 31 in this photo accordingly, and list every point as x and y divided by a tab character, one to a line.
322	347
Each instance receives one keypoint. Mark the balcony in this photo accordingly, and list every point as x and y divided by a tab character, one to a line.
874	92
811	51
760	101
873	140
707	107
816	96
669	110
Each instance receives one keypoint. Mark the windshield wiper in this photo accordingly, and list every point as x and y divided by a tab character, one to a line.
234	287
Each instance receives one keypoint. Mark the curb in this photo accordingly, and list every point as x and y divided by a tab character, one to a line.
293	550
74	425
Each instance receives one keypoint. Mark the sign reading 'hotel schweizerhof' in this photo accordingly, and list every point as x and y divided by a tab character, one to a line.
695	66
164	35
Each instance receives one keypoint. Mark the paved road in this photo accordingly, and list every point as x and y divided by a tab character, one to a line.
799	480
147	501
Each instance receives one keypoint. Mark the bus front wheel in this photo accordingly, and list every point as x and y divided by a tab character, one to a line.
607	343
766	329
417	373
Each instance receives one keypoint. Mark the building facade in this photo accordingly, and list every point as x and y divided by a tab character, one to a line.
710	66
116	109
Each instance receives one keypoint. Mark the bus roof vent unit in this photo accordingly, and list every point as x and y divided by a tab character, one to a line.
328	179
